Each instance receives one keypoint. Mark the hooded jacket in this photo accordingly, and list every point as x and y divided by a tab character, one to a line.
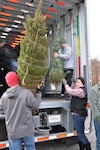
17	104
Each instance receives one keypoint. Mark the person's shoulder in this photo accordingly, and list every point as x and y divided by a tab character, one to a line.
68	47
84	88
26	90
94	87
7	46
4	95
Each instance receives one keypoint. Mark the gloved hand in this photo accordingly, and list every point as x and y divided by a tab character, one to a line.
98	119
64	81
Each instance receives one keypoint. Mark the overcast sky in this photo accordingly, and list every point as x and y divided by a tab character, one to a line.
94	27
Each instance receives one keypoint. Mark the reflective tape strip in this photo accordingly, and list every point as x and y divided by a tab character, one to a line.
61	136
46	138
4	145
57	136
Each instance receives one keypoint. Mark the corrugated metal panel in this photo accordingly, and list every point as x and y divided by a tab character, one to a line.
20	7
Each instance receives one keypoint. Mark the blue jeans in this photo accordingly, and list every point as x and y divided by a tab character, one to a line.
79	127
16	144
97	132
14	65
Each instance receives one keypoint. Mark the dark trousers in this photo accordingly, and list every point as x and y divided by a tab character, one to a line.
68	77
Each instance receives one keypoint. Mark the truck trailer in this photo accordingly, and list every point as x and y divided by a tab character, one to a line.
53	120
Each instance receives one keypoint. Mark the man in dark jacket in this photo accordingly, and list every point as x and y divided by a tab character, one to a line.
8	56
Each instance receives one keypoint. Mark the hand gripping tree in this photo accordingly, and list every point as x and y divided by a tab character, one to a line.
56	71
33	53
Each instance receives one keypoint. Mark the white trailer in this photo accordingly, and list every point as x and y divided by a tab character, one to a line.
54	120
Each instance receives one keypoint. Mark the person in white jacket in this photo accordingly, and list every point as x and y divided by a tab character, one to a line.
17	104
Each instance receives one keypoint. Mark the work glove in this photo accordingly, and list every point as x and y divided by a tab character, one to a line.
98	119
64	81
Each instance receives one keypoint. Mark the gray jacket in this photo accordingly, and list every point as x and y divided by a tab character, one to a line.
67	57
17	104
94	100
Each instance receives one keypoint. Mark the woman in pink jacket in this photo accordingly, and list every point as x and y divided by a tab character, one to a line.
78	109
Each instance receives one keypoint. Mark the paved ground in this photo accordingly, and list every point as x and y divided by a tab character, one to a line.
70	144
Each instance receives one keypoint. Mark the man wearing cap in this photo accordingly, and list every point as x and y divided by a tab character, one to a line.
8	56
17	104
67	56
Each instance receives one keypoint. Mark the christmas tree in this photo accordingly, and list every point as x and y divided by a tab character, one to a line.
33	52
56	71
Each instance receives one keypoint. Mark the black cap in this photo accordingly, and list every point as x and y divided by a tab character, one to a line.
82	80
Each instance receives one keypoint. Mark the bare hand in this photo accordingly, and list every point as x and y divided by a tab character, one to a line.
56	54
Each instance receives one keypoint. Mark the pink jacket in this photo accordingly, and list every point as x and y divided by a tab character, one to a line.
74	91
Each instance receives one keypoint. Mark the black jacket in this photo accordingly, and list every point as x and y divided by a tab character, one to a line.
7	55
78	105
3	84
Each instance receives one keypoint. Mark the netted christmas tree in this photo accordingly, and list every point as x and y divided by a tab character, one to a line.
56	70
34	50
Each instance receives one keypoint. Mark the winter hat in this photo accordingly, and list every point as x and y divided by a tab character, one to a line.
12	78
82	80
63	41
